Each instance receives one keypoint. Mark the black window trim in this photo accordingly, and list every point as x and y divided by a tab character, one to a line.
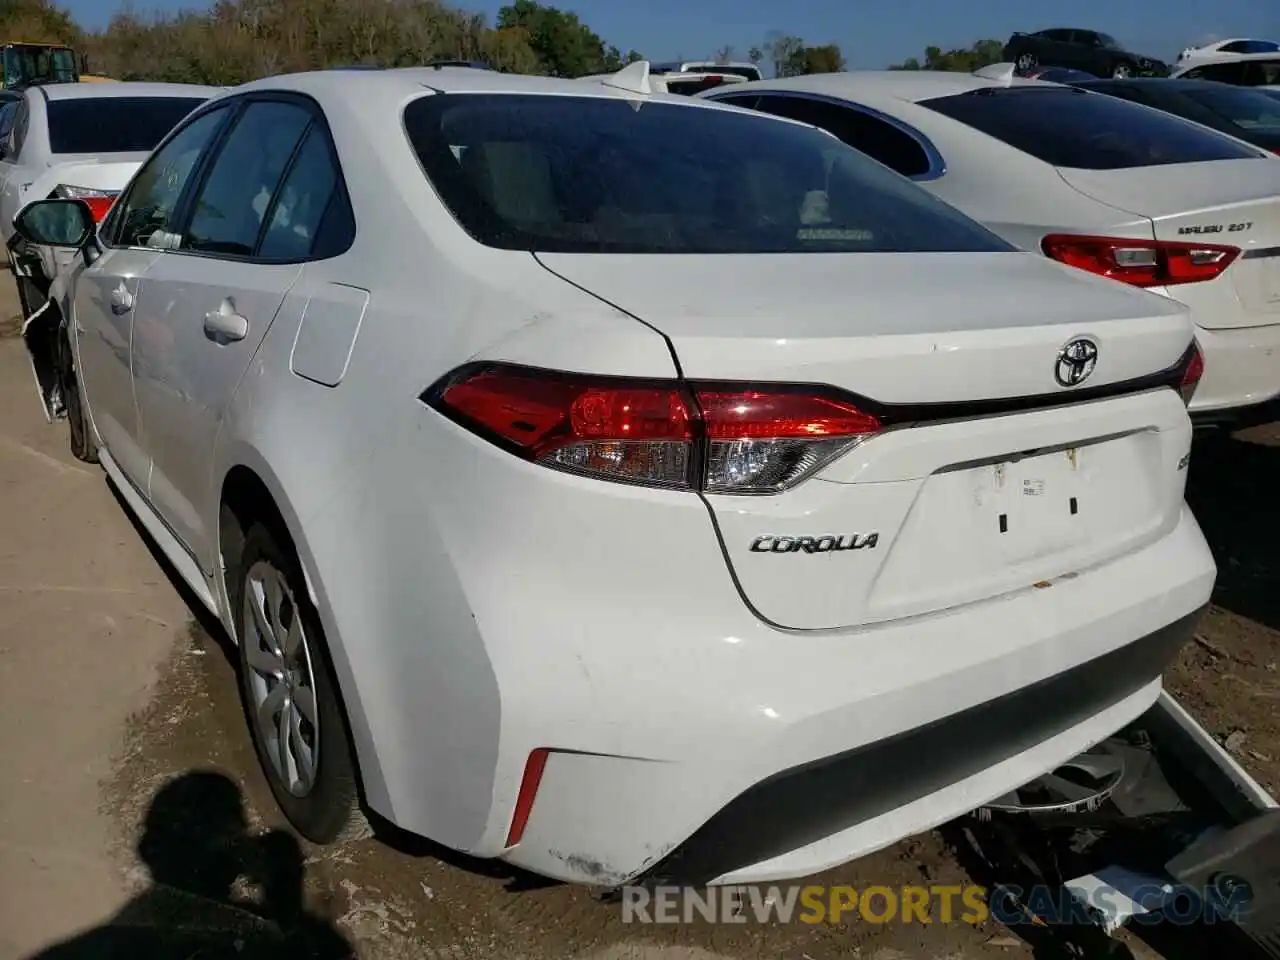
937	164
109	233
184	211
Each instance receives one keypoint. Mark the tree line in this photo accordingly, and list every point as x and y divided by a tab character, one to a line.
234	41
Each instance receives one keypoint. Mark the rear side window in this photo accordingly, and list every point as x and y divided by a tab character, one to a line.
601	175
114	124
877	138
1088	131
1252	46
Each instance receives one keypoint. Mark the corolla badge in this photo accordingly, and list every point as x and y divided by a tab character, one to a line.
770	543
1076	362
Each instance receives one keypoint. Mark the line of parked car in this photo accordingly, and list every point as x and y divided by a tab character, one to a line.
627	484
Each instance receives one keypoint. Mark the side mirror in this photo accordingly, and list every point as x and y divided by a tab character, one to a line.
56	223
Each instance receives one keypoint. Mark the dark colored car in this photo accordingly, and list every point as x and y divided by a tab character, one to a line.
1246	113
1088	50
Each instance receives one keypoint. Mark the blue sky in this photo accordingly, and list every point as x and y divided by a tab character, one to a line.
870	34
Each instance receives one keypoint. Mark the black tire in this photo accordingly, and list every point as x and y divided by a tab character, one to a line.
80	432
1026	62
330	812
1122	70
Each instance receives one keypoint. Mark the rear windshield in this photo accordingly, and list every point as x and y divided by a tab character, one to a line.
114	124
1087	131
1251	110
604	175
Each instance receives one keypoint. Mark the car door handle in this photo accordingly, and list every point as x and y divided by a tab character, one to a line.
121	299
224	325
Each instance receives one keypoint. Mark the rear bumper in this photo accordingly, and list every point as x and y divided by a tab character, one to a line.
1241	370
791	817
805	752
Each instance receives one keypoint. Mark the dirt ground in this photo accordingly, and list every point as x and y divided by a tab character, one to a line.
110	689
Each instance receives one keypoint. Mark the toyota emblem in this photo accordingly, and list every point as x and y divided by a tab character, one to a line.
1076	362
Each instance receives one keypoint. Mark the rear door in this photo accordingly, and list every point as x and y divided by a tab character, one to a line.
251	224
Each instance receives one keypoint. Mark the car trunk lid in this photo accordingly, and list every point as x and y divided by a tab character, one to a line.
1225	202
988	478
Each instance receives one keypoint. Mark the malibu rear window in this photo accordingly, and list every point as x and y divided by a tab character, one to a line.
594	174
1086	131
114	124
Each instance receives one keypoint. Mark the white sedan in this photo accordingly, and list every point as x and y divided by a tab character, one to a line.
623	485
80	140
1116	188
85	140
1242	69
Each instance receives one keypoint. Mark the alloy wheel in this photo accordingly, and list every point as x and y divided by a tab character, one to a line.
281	682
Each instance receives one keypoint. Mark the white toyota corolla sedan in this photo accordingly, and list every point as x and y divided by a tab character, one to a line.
1116	188
621	484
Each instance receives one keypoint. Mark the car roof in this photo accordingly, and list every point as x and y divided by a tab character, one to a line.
911	86
355	87
124	88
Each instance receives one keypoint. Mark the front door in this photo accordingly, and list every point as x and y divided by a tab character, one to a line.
109	293
209	302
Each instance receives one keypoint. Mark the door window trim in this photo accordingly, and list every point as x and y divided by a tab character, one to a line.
185	211
937	164
109	233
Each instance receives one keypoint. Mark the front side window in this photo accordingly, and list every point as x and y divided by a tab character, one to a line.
99	125
229	208
597	175
1108	42
1090	131
146	217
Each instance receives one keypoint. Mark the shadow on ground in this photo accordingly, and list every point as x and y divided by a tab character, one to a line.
216	889
1233	489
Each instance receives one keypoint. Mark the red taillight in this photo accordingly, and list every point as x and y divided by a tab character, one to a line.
99	207
99	202
1191	376
1143	263
529	784
714	437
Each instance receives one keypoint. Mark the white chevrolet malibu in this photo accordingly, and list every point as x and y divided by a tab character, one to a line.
625	485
